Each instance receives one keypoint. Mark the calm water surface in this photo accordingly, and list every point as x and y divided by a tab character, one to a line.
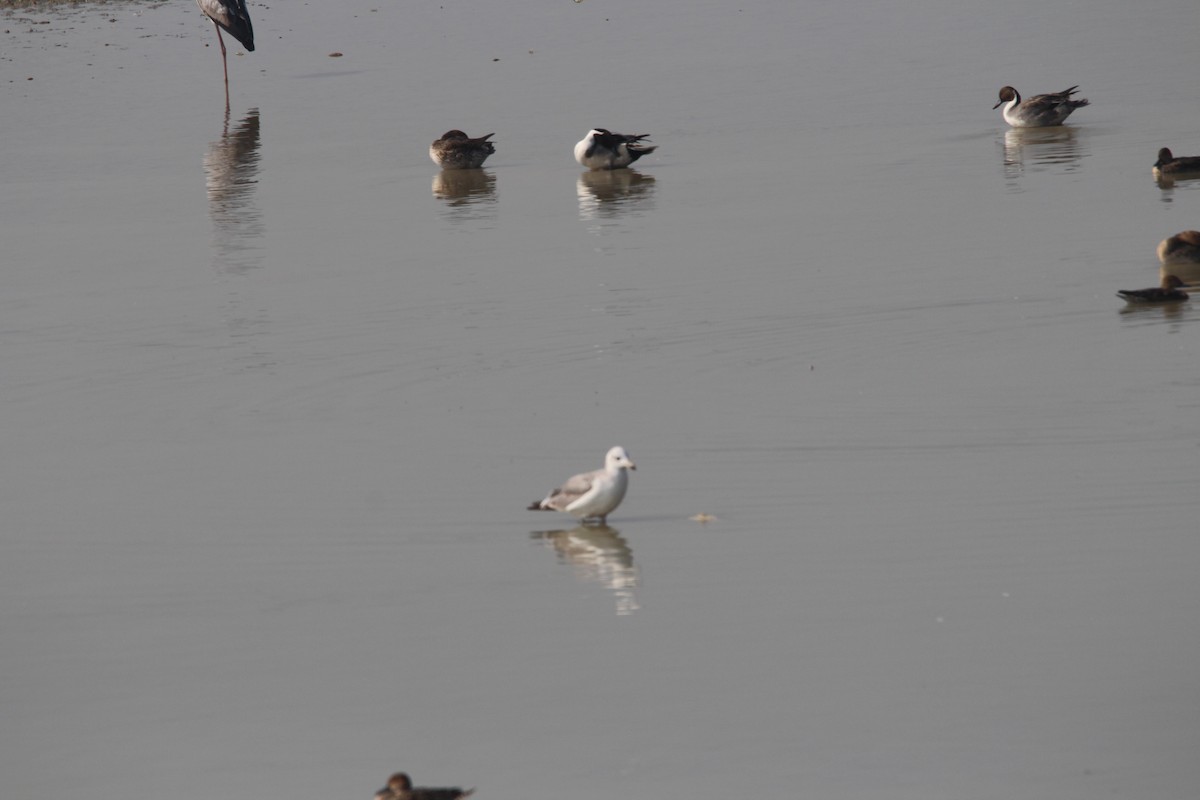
276	394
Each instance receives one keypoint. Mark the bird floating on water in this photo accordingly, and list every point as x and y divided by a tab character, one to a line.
603	149
1170	166
399	787
235	19
1182	248
1039	111
592	495
1169	292
456	150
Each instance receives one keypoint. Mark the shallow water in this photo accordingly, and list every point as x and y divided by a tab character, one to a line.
277	392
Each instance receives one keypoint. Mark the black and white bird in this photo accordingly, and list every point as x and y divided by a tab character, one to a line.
1039	111
603	149
456	150
235	19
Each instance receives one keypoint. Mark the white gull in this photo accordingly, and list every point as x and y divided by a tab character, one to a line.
592	495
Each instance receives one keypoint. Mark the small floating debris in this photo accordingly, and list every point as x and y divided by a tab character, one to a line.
702	518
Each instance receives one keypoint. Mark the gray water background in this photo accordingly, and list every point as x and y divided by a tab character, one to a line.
275	394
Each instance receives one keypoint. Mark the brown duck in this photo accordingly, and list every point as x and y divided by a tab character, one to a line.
1169	292
399	787
1169	166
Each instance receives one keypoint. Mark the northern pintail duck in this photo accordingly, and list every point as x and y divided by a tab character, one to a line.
1169	292
456	150
592	495
1182	248
399	787
603	149
1169	166
1039	111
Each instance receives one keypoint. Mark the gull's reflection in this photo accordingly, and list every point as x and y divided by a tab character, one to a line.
611	192
231	168
1041	149
467	193
231	175
598	554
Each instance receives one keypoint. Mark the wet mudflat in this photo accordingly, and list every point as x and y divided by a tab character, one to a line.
276	392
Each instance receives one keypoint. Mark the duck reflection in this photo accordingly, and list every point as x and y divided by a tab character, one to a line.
598	554
1167	184
467	193
1151	312
231	176
609	193
1041	149
1188	273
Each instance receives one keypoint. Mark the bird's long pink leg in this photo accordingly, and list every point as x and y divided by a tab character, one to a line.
224	63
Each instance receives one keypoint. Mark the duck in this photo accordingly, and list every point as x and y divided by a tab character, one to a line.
1039	111
592	495
1182	248
456	150
603	149
1169	292
1168	166
399	787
